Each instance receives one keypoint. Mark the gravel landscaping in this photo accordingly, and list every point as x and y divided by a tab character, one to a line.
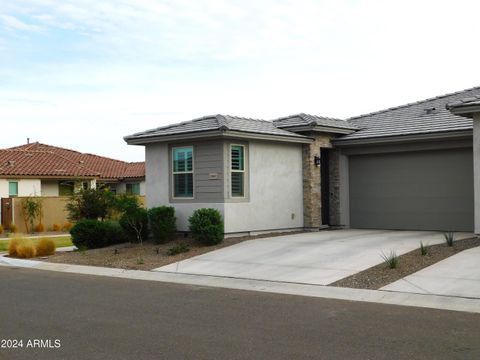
378	276
142	257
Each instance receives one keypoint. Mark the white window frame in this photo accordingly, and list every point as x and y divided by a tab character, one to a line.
183	172
238	171
13	182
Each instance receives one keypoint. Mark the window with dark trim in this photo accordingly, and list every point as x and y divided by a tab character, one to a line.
182	169
237	170
133	188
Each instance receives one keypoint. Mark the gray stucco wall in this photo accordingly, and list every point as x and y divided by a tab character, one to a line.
274	196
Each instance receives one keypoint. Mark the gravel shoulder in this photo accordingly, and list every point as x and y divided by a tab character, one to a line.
380	275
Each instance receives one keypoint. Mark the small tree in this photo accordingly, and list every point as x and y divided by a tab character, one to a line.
31	209
135	224
90	204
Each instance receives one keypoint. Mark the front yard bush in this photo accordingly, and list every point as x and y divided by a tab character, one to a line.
45	247
206	226
162	223
92	234
25	249
135	225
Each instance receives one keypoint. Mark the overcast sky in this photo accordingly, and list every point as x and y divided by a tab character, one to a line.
83	74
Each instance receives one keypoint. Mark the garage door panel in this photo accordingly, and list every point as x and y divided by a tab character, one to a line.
429	190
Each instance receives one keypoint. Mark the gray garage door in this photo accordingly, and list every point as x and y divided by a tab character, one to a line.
425	190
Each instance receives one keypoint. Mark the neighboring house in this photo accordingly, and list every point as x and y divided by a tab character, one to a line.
407	167
43	170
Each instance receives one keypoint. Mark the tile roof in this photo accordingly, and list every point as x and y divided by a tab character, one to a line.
421	117
38	159
216	122
312	120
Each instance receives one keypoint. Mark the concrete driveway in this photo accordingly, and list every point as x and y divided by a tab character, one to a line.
311	258
458	275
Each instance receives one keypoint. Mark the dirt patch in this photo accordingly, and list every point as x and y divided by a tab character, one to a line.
380	275
146	257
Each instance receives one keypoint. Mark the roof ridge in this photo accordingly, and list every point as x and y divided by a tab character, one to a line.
412	103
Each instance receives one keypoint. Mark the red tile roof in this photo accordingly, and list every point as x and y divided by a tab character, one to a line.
38	159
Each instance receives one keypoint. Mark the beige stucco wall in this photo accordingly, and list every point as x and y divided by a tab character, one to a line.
26	187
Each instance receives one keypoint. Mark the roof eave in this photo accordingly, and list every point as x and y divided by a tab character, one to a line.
465	110
144	140
457	134
320	128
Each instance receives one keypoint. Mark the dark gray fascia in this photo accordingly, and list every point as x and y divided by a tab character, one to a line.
405	138
465	110
215	134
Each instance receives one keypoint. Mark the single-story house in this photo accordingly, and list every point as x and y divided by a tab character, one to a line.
406	167
36	169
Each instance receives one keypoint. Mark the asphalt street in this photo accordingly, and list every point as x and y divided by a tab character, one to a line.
91	317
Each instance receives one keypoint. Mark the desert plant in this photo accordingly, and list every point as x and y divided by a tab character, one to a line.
449	238
31	210
67	226
12	246
140	261
57	227
90	204
135	225
45	247
178	249
423	249
39	228
1	229
162	223
206	226
391	259
93	234
13	228
25	249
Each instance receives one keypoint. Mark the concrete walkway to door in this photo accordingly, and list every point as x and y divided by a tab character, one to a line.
310	258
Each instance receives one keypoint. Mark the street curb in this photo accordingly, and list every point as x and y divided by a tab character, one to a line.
320	291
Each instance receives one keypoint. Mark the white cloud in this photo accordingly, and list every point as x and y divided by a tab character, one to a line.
106	68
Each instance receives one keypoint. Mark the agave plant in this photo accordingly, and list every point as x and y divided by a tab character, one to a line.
449	237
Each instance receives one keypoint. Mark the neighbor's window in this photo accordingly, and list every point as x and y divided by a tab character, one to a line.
13	188
182	172
133	188
65	188
237	161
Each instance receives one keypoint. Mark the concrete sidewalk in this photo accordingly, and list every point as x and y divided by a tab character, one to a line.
458	275
375	296
319	258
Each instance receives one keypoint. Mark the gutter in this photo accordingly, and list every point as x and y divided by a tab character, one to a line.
222	133
449	135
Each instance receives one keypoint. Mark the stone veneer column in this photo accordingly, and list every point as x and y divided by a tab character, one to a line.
312	197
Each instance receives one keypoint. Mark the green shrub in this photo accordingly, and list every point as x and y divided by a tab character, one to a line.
178	249
90	204
135	225
162	223
92	234
206	226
